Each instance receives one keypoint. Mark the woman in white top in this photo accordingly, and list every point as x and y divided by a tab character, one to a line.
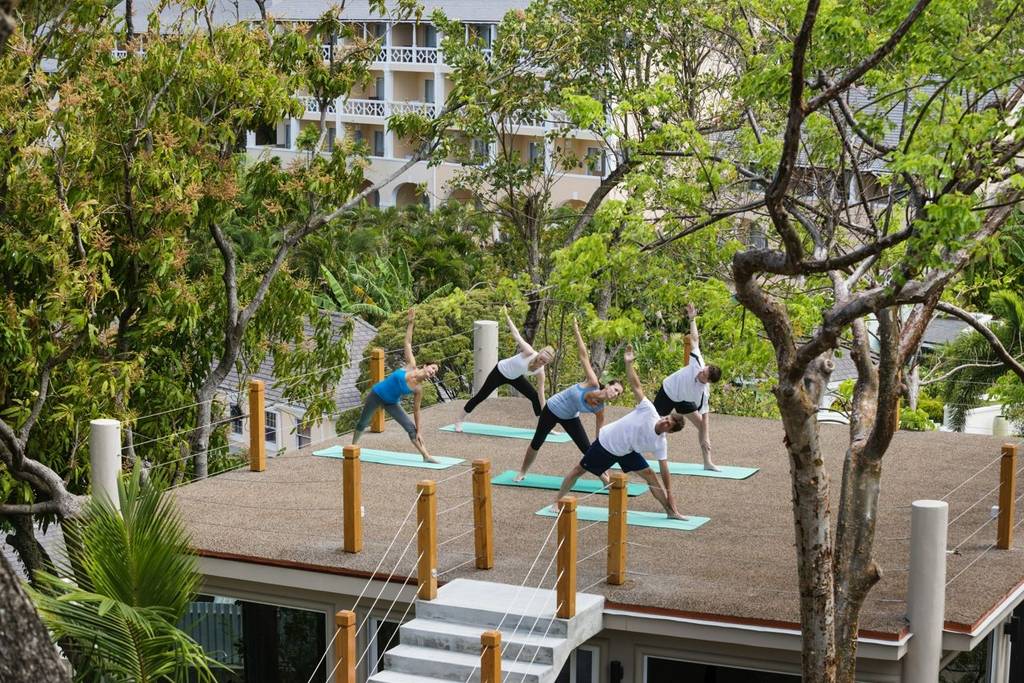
514	370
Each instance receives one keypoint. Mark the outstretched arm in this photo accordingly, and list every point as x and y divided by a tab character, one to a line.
634	380
523	345
691	313
540	387
584	355
410	359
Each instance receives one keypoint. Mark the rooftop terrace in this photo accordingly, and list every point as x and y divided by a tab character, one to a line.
739	567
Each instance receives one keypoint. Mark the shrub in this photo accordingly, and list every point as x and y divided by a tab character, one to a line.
915	420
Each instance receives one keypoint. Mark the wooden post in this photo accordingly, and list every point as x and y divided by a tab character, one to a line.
483	519
687	349
376	375
345	647
617	498
257	414
566	577
1007	496
426	540
352	500
490	657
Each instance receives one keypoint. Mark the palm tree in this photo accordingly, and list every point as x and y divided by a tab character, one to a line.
977	369
115	605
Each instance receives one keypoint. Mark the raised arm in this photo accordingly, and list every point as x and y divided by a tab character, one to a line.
417	398
523	345
410	359
540	387
691	313
584	355
634	381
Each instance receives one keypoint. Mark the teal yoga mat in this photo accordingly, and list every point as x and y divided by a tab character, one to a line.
508	432
656	520
393	458
696	469
553	483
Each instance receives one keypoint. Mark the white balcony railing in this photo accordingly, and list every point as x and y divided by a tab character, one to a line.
312	105
411	55
382	109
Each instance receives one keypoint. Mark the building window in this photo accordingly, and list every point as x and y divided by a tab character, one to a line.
378	143
595	161
383	636
378	88
236	422
664	670
481	150
428	90
258	642
304	434
358	136
270	426
331	134
536	152
266	136
431	40
582	667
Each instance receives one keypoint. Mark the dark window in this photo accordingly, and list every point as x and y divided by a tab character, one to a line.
428	90
379	88
358	136
595	161
257	642
481	151
266	135
584	662
431	36
536	150
672	671
236	423
378	143
270	426
331	133
385	637
303	434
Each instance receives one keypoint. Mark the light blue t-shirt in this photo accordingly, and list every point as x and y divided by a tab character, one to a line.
393	387
569	403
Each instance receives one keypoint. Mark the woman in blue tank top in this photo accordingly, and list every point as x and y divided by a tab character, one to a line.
388	393
564	408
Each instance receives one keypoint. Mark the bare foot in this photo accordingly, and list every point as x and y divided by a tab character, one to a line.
458	426
712	467
675	515
519	477
430	458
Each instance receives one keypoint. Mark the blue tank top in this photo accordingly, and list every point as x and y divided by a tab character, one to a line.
569	403
392	388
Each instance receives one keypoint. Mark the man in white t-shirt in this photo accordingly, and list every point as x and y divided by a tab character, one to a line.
688	390
624	441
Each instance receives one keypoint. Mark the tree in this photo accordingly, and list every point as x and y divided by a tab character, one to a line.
129	581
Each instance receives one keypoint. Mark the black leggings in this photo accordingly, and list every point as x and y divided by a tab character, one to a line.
495	380
664	405
573	427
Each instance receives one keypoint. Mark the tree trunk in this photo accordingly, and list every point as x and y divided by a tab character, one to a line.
914	386
812	523
32	555
26	653
598	346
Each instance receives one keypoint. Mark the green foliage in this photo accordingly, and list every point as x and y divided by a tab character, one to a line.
916	420
932	407
129	581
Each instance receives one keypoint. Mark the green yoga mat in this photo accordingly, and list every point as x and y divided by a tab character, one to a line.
508	432
393	458
656	520
547	481
695	469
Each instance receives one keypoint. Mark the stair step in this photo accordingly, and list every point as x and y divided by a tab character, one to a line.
464	638
396	677
456	666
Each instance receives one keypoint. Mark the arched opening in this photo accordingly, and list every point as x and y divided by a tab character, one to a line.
372	199
410	194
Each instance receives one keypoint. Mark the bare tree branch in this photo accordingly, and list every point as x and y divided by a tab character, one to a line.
997	346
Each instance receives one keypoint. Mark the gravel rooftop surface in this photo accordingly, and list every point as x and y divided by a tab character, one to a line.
739	566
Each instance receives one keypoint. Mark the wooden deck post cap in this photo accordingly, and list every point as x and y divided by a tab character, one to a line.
350	451
567	502
619	480
426	487
481	465
1009	450
490	638
345	618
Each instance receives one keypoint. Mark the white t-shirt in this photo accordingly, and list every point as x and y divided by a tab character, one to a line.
635	432
518	365
683	385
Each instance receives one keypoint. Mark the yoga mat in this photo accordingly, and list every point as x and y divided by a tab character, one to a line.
393	458
509	432
633	518
696	469
547	481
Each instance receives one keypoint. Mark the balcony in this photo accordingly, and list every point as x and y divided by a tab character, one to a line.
382	109
411	55
312	105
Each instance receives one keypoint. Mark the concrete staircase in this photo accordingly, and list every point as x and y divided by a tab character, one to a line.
442	643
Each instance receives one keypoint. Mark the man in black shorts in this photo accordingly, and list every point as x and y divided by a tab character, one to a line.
688	389
624	441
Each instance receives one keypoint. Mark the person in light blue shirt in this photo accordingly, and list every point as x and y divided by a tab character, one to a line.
388	393
564	408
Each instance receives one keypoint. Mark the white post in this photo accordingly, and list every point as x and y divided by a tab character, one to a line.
250	138
485	351
926	590
294	123
105	458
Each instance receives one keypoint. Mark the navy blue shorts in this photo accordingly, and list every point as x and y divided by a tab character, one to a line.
599	460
